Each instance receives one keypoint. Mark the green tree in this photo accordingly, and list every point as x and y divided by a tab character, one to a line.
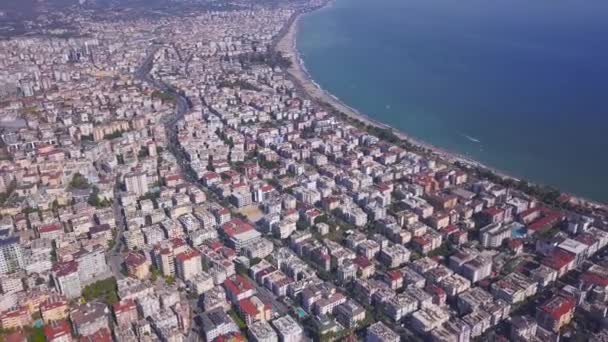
79	182
238	320
96	201
103	290
170	280
154	273
36	335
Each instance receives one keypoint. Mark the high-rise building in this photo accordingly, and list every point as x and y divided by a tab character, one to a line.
164	259
66	279
137	182
188	264
91	264
11	255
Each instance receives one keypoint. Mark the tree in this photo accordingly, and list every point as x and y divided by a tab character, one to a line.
445	250
302	225
238	320
104	290
170	280
154	273
163	96
36	335
9	190
268	164
79	182
113	241
96	201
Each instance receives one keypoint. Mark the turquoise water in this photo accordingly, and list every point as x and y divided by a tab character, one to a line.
519	233
301	312
519	85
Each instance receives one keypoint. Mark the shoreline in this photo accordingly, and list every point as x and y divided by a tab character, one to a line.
287	45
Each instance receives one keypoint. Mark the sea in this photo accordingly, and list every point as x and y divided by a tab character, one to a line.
519	85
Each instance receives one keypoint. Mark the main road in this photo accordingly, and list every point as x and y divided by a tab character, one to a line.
182	106
116	259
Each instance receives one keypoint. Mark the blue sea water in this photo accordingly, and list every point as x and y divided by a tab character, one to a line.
519	85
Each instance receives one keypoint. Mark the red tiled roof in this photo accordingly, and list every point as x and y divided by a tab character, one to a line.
56	329
210	175
313	213
16	336
247	307
544	222
394	275
449	230
215	245
267	188
362	262
64	268
187	255
124	306
422	240
223	211
227	252
528	212
177	242
594	279
493	211
16	312
237	284
558	259
173	177
135	259
558	306
435	290
383	187
231	337
54	301
47	228
236	227
515	243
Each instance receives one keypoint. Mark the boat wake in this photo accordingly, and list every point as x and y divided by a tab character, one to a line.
470	138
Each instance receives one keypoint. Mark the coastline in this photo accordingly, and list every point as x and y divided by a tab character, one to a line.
286	43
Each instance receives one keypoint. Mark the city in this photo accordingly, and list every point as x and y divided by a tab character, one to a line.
166	178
